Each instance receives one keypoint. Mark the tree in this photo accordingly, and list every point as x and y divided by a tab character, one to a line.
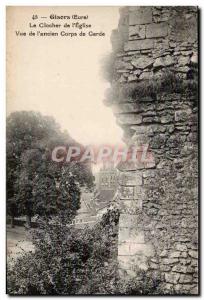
35	183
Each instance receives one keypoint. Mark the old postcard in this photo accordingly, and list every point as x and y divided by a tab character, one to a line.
102	150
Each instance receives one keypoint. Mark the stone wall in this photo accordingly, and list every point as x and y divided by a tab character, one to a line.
154	96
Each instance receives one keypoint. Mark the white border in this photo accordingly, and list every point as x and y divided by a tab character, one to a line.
5	3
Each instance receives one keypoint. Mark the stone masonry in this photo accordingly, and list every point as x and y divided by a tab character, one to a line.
154	97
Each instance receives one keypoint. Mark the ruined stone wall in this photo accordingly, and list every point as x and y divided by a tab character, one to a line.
154	96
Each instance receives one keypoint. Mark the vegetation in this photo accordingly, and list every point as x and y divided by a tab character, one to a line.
36	184
68	260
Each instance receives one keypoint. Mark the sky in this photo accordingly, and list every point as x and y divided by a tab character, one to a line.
61	76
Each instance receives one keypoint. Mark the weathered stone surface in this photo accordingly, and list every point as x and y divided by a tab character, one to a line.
162	206
140	249
142	62
156	30
179	269
139	45
166	119
123	249
172	278
164	253
181	247
183	60
193	253
185	279
130	179
165	61
175	254
119	64
182	115
126	192
137	32
123	264
141	16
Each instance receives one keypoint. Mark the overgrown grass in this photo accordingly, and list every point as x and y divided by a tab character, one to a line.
168	83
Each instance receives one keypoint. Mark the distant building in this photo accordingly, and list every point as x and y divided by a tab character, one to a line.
107	182
96	203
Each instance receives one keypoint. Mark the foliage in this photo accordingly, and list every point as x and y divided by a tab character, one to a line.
144	283
36	184
68	260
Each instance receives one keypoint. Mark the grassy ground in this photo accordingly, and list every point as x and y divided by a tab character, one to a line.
18	241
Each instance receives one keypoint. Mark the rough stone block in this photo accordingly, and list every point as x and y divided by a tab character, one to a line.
193	253
123	65
170	261
164	61
138	193
142	62
172	278
174	254
166	119
182	115
181	247
137	32
186	279
164	253
156	30
179	269
139	45
183	60
143	15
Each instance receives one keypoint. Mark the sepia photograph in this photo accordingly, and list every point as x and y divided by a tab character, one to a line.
102	150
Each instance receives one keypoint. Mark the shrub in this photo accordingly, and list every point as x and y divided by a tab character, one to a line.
68	260
144	283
